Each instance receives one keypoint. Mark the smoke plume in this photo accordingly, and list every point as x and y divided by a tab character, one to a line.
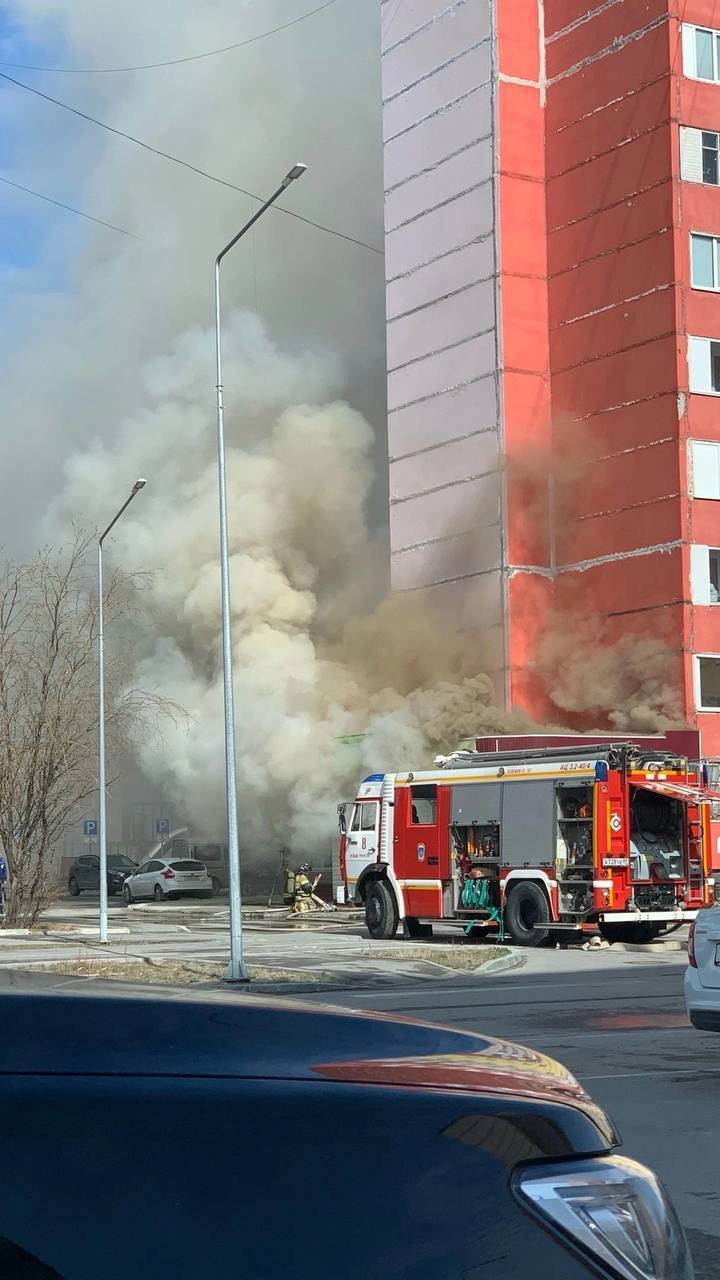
316	658
108	372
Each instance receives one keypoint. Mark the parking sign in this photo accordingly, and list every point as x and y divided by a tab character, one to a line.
162	826
90	828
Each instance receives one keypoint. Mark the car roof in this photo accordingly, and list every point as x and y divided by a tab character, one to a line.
247	1036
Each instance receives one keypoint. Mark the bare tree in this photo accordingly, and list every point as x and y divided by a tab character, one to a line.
49	707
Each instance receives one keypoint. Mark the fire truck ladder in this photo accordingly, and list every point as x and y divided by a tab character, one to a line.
617	754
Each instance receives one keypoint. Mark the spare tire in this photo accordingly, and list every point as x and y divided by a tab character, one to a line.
527	914
381	913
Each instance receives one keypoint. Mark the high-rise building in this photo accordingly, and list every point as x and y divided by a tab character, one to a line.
552	209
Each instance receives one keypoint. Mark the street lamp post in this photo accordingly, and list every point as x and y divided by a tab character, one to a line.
236	971
138	485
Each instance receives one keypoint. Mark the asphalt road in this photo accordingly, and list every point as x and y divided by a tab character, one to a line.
625	1036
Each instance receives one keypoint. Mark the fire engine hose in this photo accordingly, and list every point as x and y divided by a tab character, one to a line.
476	897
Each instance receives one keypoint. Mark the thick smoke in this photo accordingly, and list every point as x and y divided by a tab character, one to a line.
80	319
630	683
109	373
315	660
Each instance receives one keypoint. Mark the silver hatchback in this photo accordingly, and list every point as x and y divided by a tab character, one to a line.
162	878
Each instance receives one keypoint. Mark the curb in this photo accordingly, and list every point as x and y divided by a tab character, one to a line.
87	931
502	964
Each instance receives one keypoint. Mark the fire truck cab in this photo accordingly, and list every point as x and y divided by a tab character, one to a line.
532	841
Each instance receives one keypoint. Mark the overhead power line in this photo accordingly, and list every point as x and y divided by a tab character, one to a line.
39	196
203	173
171	62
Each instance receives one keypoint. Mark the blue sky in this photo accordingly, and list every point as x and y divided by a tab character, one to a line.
28	223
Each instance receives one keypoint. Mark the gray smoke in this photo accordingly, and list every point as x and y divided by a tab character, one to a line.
314	660
108	374
79	325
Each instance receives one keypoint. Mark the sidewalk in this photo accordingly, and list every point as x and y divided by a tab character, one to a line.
323	950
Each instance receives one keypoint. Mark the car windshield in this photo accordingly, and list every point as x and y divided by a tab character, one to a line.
119	860
187	866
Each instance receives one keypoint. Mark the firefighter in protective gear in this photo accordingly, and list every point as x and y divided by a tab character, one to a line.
305	897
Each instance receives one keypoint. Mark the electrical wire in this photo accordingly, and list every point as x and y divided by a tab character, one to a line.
70	209
171	62
185	164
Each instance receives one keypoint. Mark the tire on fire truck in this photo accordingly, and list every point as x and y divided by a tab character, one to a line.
527	914
381	912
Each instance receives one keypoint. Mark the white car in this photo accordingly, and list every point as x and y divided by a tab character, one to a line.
162	878
702	976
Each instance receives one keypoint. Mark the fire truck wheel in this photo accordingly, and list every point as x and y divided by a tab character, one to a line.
527	914
381	913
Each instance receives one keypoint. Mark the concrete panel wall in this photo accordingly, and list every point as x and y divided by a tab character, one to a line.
445	492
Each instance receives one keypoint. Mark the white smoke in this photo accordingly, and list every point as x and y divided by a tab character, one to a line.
313	660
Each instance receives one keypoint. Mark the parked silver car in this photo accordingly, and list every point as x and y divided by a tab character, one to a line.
162	878
702	976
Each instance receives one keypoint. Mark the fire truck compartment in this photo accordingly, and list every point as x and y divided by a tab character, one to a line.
523	811
656	835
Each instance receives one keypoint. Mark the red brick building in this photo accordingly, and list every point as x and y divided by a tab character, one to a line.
552	178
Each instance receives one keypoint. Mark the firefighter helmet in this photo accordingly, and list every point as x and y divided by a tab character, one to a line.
304	869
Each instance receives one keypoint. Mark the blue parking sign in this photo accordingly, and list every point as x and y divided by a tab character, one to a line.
162	826
90	828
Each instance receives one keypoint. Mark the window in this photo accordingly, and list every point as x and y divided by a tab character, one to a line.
705	575
187	864
705	469
704	366
714	574
710	158
707	682
355	824
368	817
704	270
701	52
424	805
699	156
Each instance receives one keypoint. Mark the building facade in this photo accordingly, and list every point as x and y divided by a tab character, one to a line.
552	212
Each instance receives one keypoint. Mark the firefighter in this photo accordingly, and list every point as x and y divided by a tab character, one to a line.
306	898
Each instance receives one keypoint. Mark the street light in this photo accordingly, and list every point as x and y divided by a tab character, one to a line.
236	971
138	485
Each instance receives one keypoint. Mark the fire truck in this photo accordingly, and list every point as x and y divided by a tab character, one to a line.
534	837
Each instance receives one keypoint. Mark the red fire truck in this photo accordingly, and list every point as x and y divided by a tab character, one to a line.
531	836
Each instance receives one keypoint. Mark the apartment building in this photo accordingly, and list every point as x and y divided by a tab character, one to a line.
552	201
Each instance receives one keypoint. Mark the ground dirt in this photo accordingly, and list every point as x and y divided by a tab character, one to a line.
465	959
183	975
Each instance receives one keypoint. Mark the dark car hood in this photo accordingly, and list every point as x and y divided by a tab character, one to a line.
251	1037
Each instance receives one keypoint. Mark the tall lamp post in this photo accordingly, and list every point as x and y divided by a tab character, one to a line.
138	485
236	971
